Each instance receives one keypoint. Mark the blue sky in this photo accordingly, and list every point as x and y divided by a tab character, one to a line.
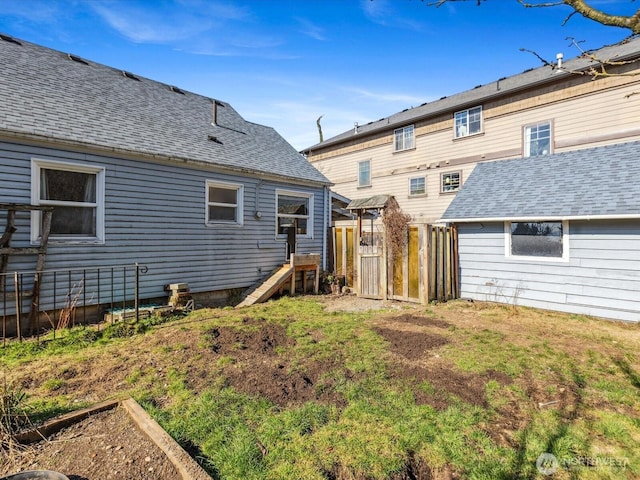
283	63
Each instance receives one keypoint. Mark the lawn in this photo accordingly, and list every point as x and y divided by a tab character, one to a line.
293	389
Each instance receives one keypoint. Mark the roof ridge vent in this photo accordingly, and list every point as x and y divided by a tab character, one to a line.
76	58
10	39
176	90
130	75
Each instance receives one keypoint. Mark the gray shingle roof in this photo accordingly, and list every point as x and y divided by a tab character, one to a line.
594	182
44	93
626	50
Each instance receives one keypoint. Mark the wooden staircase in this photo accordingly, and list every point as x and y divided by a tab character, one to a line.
279	277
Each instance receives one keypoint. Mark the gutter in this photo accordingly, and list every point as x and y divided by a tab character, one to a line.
538	218
60	142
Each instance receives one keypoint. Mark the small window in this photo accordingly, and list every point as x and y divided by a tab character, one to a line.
537	139
450	182
403	138
294	210
537	239
468	122
77	194
224	202
417	186
364	173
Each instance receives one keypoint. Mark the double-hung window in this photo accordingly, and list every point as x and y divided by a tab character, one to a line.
537	239
403	138
294	210
364	173
468	122
417	186
537	139
224	203
76	193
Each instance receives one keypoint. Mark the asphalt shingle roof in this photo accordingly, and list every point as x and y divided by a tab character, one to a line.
594	182
45	93
626	50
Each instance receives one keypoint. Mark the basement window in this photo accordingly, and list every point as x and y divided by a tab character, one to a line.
224	203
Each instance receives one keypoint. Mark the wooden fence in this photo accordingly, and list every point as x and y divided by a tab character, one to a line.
427	269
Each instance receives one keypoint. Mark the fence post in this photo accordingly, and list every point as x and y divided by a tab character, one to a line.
18	296
136	292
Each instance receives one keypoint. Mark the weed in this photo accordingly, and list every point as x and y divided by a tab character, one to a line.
53	384
13	416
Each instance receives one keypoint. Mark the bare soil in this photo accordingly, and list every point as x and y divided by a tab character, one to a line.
105	446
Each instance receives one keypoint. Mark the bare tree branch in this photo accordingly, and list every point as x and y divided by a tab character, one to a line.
629	22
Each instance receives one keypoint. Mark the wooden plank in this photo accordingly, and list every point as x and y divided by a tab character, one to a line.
269	286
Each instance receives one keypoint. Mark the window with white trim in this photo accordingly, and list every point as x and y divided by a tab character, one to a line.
76	193
537	239
537	139
294	210
403	138
450	182
224	202
468	122
364	173
417	186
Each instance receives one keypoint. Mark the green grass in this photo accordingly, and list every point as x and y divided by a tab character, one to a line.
379	429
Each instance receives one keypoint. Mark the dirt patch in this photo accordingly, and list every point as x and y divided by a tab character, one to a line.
432	383
257	364
438	386
421	321
105	446
411	345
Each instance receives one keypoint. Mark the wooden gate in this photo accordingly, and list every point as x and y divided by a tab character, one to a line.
427	269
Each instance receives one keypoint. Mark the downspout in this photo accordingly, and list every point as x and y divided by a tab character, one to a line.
327	224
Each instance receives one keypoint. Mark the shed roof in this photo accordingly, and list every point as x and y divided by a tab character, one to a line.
47	94
625	50
377	201
602	182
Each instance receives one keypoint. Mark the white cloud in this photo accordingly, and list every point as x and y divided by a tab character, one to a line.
310	29
388	97
383	13
145	25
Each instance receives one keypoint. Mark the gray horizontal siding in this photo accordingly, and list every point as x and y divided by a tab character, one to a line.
601	278
155	215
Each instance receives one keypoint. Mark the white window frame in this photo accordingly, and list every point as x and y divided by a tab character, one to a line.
526	137
536	258
309	217
238	205
463	116
424	185
444	174
38	164
360	164
404	138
